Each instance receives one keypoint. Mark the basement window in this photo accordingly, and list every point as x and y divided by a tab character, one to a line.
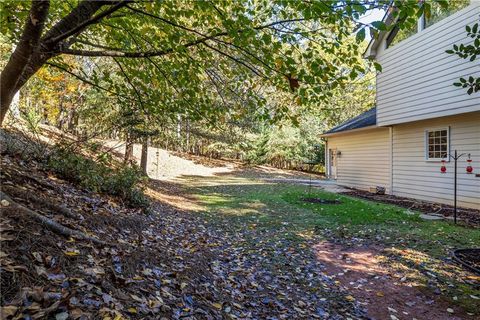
437	144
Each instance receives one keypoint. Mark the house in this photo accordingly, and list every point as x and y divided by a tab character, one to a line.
419	118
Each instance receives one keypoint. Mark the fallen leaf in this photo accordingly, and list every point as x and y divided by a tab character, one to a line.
217	305
392	310
71	253
136	298
61	316
37	256
8	311
6	237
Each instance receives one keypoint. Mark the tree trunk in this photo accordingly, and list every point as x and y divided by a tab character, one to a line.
32	51
144	158
19	59
61	116
187	135
72	120
129	149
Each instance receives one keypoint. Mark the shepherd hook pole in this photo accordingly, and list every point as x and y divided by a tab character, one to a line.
455	191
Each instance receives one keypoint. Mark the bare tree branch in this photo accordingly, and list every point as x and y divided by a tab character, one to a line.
88	81
92	20
154	53
236	60
140	100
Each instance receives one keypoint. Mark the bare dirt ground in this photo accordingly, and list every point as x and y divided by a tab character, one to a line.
386	294
164	165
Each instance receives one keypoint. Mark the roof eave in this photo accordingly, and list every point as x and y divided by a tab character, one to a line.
326	135
371	51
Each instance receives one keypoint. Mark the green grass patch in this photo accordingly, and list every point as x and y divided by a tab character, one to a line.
274	205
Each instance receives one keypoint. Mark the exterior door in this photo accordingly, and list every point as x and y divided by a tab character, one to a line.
333	163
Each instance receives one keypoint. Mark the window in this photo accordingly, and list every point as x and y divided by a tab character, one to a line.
437	144
437	12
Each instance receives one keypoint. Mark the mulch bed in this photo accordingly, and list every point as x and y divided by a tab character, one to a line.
469	258
470	217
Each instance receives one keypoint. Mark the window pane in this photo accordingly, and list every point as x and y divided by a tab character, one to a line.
438	12
437	144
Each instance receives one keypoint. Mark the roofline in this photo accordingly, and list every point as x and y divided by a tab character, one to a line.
326	135
371	50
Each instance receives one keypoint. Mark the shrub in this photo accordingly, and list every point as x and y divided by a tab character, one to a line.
124	181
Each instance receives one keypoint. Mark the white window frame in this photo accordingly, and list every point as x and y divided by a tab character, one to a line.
447	158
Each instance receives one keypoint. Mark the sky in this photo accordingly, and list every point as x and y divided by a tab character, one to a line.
372	15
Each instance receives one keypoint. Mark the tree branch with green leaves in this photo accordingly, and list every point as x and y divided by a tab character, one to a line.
469	52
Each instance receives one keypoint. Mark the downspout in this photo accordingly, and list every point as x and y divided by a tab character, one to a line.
327	164
390	131
325	155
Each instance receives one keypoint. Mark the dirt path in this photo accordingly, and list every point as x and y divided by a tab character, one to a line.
164	165
384	293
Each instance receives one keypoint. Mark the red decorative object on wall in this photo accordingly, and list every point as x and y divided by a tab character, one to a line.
443	169
469	166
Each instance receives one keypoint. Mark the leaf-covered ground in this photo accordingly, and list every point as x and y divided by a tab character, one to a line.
229	246
397	264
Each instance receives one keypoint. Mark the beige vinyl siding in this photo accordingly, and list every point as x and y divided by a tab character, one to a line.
365	158
417	77
415	177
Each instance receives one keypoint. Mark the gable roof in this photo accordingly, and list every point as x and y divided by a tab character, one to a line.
372	47
366	119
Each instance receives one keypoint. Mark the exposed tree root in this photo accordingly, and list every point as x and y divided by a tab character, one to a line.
46	185
16	192
6	201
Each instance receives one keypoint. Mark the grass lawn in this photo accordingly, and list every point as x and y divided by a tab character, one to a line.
421	249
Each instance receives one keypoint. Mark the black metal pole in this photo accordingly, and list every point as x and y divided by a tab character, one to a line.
455	190
310	175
